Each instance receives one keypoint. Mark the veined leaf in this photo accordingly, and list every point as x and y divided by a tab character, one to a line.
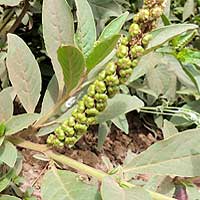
73	63
110	188
86	26
58	184
8	154
20	122
113	27
188	9
101	51
24	72
119	105
58	29
178	155
6	108
166	33
102	134
122	123
51	95
169	129
6	179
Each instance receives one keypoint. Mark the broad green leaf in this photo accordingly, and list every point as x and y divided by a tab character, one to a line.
58	29
110	188
58	184
8	197
166	33
10	2
6	108
194	74
189	56
169	129
105	8
86	26
19	122
188	9
178	155
51	95
119	105
193	192
122	123
6	179
161	184
8	154
101	51
46	130
114	27
102	134
24	72
73	63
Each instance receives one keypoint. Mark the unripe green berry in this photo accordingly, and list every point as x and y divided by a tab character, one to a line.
59	130
91	120
101	97
69	131
74	113
124	63
81	117
144	14
58	143
81	128
146	39
88	101
70	140
102	75
91	90
137	51
112	91
122	51
81	106
156	12
124	40
71	121
134	29
101	106
134	63
50	139
136	18
100	86
123	80
92	112
111	68
112	80
125	73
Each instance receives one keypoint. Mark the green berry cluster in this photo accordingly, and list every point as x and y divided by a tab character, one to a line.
107	83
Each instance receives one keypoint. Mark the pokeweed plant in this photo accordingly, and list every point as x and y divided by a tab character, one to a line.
75	58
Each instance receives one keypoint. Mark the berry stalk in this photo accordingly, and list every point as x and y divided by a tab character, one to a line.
129	49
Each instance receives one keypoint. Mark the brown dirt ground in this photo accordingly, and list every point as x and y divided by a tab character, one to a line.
115	148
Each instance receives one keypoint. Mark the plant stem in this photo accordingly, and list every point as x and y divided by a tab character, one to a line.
74	164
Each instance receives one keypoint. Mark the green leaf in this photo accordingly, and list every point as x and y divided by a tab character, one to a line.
105	8
189	56
110	188
10	2
193	192
8	197
58	29
119	105
169	129
178	155
24	72
73	63
194	74
122	123
188	9
6	108
2	129
114	27
8	154
51	96
101	51
19	122
86	26
166	33
58	184
6	179
102	134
